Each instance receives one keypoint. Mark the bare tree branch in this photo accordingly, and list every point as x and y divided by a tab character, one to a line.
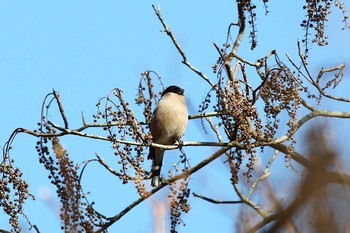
4	231
316	83
60	106
178	47
249	202
265	174
241	24
248	99
162	185
216	201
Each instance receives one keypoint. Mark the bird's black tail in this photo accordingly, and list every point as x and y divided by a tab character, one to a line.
157	160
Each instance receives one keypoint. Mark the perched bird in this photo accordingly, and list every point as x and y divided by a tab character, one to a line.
168	124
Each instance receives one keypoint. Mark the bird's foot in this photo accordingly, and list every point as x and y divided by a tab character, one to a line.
178	143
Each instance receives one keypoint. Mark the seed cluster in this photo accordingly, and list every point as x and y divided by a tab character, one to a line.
121	124
247	115
179	195
76	213
281	92
317	15
178	203
13	192
146	95
249	7
241	113
317	12
251	115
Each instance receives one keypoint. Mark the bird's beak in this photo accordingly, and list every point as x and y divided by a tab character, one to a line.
182	91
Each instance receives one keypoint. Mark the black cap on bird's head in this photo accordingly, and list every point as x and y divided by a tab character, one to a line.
174	89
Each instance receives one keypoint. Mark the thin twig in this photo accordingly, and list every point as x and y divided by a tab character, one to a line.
316	83
248	201
304	62
216	201
320	74
36	228
214	128
111	170
257	64
216	131
179	48
261	178
321	90
83	118
299	70
265	174
60	106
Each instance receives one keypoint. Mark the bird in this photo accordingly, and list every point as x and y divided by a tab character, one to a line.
168	124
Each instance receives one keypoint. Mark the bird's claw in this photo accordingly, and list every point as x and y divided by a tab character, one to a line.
178	143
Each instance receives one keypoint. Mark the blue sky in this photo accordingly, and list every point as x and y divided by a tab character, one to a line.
83	49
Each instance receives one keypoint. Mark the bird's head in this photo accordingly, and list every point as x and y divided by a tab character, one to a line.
174	89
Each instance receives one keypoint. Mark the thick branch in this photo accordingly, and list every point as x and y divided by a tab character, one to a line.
64	131
241	24
93	136
162	185
239	38
4	231
314	113
295	155
330	176
248	201
264	222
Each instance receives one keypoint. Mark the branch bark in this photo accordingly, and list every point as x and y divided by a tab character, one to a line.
162	185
